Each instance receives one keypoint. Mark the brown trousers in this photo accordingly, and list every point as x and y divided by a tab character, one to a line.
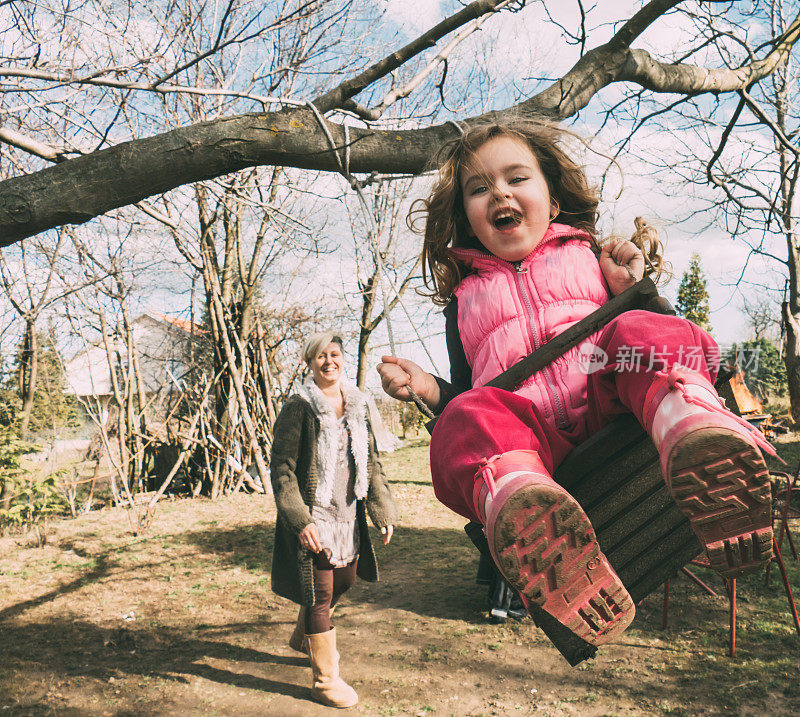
330	583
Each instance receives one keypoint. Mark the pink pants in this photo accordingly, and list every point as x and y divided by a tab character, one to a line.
484	422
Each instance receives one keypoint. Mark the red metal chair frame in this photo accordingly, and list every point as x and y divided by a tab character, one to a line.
783	500
730	588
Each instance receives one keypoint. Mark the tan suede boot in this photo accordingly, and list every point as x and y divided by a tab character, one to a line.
297	640
329	688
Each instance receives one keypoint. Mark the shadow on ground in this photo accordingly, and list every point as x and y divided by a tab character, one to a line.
430	572
67	649
428	578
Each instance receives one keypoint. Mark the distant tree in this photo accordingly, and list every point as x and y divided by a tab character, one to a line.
693	295
765	372
51	409
763	315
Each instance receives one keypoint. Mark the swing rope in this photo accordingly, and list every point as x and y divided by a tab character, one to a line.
372	235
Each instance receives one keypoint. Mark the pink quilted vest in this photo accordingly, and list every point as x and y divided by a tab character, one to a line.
504	313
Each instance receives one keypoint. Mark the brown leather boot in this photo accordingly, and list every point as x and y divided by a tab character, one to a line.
329	688
297	640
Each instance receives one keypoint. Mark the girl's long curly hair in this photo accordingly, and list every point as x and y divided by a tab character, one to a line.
445	222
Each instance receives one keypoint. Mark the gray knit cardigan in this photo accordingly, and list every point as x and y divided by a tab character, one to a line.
293	468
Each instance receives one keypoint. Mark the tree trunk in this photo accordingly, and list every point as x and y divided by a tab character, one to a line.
135	398
367	326
29	369
790	314
230	303
117	373
5	497
791	358
790	308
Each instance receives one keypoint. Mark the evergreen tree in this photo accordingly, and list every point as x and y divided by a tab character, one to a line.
52	408
693	295
765	372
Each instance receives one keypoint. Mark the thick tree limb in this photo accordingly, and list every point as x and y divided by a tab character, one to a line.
80	189
642	69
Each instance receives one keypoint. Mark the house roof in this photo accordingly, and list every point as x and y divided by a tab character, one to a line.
87	373
184	324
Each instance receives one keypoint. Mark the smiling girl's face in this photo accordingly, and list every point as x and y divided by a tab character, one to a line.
506	199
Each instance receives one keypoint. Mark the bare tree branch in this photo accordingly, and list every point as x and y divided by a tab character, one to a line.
779	134
350	88
97	79
79	189
441	57
33	146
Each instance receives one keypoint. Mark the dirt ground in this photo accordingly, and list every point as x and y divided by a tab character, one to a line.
182	621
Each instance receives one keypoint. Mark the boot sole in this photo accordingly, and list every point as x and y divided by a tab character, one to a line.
721	483
339	704
546	548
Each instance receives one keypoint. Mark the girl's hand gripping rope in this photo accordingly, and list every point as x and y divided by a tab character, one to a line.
622	264
398	375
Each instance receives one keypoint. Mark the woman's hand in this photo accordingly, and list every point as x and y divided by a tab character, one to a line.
309	538
386	532
622	265
397	373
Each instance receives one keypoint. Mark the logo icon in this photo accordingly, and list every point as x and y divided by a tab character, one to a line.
591	358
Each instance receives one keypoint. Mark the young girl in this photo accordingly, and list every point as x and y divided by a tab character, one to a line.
510	249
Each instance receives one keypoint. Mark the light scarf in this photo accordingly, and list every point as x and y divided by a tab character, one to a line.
355	418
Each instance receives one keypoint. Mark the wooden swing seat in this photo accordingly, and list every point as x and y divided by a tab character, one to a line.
616	477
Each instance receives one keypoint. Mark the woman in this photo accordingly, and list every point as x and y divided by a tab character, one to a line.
326	476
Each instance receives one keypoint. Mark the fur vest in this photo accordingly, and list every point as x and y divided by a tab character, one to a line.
355	418
295	472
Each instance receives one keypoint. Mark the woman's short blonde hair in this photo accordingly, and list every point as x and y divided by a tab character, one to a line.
319	341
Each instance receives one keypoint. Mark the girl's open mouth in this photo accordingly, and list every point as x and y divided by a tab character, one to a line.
508	220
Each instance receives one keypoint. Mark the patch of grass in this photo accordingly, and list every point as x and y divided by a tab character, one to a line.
431	653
